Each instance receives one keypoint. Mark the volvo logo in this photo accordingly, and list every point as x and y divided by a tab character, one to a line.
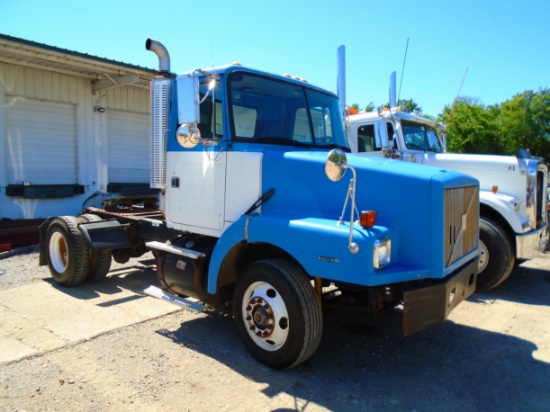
329	259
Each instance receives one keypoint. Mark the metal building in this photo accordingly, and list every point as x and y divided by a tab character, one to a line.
74	129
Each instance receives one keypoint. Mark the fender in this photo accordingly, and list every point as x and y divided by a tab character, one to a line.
328	258
504	205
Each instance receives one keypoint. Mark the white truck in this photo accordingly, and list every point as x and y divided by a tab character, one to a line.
513	189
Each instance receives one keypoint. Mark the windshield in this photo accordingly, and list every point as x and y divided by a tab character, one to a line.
264	110
419	136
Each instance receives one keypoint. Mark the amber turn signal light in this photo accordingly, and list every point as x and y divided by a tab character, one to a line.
367	218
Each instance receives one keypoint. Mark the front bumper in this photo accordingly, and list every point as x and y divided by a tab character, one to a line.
530	245
428	306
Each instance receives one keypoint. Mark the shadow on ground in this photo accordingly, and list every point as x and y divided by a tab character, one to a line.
363	363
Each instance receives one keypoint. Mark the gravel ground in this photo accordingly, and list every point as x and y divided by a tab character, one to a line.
492	354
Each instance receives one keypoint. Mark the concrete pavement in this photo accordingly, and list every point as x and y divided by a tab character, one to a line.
43	316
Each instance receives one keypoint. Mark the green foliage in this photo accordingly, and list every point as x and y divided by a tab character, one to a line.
409	104
525	122
370	107
470	128
522	122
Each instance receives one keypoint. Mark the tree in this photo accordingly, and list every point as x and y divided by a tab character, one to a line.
370	107
522	122
471	128
525	122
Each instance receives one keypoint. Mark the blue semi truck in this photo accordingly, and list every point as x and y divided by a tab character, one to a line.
263	212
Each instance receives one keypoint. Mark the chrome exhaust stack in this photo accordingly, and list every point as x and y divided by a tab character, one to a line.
161	92
162	53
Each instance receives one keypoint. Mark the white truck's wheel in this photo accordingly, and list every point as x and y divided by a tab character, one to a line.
497	255
277	313
100	262
68	255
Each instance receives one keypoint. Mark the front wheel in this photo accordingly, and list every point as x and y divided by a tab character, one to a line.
277	313
497	255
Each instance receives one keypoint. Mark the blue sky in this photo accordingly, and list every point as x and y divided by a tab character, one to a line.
503	45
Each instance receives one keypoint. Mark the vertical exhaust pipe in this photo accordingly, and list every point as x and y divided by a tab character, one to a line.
161	93
341	79
393	98
161	52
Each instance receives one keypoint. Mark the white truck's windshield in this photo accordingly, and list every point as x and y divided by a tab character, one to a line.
419	136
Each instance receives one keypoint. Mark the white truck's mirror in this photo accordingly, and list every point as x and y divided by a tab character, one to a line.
335	165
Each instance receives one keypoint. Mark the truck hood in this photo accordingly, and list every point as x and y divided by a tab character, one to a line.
409	200
301	185
460	161
493	171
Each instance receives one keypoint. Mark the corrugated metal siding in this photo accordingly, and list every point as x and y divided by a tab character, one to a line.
88	146
128	147
40	143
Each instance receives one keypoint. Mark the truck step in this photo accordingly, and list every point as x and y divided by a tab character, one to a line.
175	249
186	303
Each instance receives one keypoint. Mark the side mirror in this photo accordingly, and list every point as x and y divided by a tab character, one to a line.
188	134
188	97
335	166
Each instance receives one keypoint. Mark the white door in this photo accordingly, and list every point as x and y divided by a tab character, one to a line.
128	136
41	144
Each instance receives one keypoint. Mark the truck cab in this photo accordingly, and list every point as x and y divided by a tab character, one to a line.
513	189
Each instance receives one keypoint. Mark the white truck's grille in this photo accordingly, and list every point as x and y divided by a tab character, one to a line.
461	222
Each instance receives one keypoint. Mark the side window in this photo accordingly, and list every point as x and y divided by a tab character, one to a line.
365	138
208	126
391	131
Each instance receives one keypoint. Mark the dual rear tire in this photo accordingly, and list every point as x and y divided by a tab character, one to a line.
69	258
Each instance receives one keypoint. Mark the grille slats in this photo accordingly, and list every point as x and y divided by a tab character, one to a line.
461	222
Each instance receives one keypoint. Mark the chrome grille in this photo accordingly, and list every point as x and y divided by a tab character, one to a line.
461	222
542	195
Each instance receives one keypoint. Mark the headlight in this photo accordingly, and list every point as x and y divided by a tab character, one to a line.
382	253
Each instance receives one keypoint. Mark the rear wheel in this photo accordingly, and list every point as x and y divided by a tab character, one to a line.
497	256
67	253
277	313
100	262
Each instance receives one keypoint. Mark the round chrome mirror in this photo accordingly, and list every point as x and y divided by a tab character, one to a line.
335	167
188	135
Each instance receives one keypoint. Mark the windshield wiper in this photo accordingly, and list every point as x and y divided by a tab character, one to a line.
282	140
335	146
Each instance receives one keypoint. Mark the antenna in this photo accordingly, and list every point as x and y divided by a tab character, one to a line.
393	101
403	70
458	94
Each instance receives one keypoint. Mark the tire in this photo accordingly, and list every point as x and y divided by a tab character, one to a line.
277	293
497	256
100	262
67	253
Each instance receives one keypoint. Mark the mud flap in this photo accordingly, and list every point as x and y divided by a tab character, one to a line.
428	306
